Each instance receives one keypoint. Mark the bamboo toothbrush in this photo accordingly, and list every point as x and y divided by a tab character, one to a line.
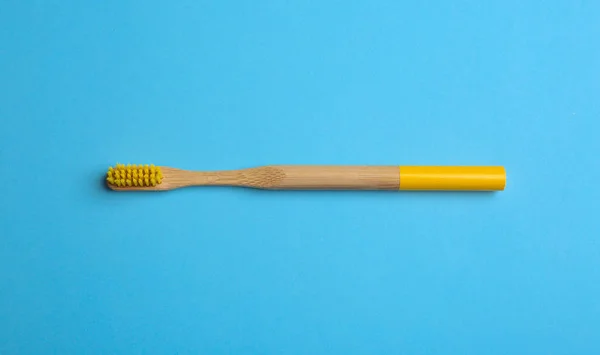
281	177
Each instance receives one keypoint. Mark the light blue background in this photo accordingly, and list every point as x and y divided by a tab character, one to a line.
231	84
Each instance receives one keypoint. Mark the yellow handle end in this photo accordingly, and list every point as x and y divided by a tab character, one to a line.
462	178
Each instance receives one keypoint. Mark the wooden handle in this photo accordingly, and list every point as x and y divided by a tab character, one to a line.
315	177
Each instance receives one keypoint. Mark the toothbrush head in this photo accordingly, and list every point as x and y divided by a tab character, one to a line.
132	176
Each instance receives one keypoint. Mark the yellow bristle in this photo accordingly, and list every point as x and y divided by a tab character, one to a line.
135	175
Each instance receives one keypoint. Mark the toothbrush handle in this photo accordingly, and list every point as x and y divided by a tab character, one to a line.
466	178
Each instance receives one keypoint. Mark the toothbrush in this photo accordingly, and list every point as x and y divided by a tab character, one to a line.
312	177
